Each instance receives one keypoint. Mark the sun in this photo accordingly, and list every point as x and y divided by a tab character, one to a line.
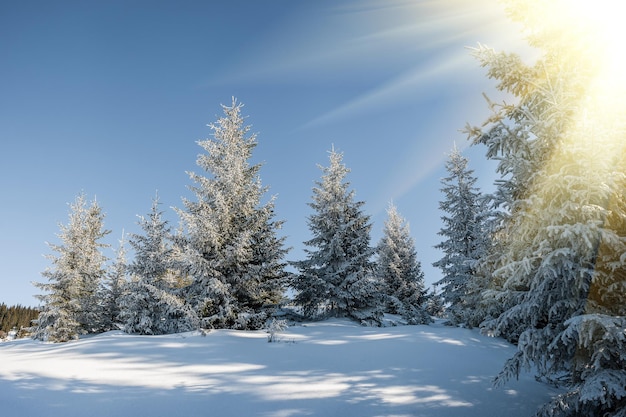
602	24
594	32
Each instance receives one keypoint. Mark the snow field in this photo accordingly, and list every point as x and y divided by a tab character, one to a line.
330	368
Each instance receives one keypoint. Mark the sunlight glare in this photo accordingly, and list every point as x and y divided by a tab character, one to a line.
578	189
601	21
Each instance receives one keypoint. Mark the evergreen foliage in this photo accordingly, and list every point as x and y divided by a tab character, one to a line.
399	271
338	275
16	317
465	243
113	291
435	305
230	249
560	273
71	304
150	303
275	326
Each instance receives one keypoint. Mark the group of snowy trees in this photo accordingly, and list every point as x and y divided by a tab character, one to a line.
542	260
224	266
340	274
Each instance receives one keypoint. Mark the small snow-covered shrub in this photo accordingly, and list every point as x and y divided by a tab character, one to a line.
250	321
367	317
275	327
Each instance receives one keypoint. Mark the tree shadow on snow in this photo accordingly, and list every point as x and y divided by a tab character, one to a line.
366	372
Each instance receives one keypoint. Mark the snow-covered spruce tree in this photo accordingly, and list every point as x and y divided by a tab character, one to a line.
562	154
150	303
113	291
464	244
230	249
338	277
70	303
435	305
399	271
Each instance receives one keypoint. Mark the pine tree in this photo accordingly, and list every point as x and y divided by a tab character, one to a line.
465	242
561	270
113	292
398	269
230	248
150	303
338	275
70	304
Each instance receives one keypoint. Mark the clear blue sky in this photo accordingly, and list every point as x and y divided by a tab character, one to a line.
110	97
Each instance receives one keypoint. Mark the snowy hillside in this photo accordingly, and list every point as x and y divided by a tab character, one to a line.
331	368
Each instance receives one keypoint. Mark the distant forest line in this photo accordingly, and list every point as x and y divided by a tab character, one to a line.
16	316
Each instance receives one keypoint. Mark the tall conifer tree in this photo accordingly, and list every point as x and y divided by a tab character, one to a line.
230	248
338	275
464	244
562	153
399	271
70	303
113	291
151	303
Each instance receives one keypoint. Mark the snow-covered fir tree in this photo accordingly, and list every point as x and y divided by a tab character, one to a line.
562	155
337	277
464	244
113	291
399	271
230	248
70	303
150	303
435	305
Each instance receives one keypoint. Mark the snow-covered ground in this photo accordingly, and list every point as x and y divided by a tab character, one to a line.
330	368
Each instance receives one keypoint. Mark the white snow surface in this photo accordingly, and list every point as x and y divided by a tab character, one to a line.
329	368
